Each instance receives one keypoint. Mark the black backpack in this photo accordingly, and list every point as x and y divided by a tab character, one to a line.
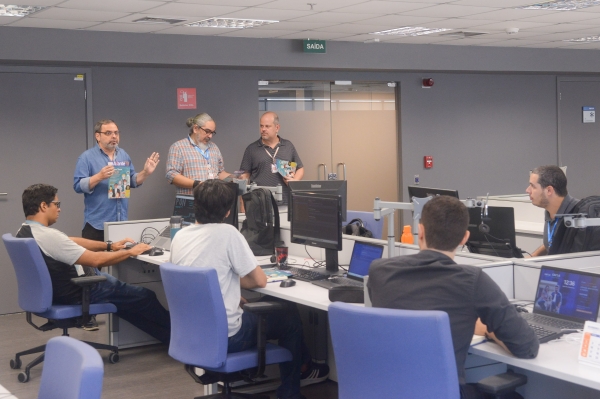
356	228
579	240
261	227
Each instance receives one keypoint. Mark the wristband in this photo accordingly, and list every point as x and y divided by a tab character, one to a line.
109	245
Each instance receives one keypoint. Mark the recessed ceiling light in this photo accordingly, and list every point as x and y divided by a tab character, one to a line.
562	5
234	23
158	20
585	39
10	10
410	31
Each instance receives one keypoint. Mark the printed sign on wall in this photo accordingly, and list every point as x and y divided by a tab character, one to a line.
589	115
186	98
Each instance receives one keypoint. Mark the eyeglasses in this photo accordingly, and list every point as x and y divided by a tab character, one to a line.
57	203
108	133
207	131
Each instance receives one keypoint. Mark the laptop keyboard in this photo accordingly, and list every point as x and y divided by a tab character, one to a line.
303	274
551	322
166	233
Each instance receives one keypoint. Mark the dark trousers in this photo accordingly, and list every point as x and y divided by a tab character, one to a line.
91	234
286	327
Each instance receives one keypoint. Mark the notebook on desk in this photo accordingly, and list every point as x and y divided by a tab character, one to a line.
362	255
564	300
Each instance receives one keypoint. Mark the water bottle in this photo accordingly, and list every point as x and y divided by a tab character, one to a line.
175	223
407	236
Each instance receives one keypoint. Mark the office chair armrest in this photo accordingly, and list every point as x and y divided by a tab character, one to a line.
87	280
261	308
86	284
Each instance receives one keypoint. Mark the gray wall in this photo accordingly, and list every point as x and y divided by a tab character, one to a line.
489	119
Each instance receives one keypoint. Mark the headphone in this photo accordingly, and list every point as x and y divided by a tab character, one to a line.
483	227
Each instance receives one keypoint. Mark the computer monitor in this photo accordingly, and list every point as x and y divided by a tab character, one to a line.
500	240
424	192
329	187
184	207
317	221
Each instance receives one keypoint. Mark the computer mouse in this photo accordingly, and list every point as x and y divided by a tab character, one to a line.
156	251
288	283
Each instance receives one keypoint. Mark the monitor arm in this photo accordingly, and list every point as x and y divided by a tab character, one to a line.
579	220
383	209
277	190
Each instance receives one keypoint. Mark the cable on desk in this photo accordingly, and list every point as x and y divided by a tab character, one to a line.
320	263
147	238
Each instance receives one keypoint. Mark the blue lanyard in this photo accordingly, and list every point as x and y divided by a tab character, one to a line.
204	153
551	230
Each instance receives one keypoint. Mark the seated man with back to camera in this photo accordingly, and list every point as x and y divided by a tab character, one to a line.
211	243
431	280
137	305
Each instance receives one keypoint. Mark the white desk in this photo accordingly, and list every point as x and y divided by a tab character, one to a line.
5	394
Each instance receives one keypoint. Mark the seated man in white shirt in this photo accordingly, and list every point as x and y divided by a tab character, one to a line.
211	243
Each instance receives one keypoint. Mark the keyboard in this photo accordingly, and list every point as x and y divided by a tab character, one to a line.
166	233
302	274
552	322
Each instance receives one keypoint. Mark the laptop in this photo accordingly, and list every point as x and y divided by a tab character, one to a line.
565	299
362	255
184	207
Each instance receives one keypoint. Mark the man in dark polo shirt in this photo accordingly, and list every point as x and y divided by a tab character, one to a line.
431	280
548	189
259	158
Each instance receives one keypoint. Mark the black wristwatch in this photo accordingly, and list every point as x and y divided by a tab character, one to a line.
109	245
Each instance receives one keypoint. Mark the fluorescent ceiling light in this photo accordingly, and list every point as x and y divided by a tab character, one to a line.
263	82
9	10
343	82
585	39
158	20
232	23
562	5
410	31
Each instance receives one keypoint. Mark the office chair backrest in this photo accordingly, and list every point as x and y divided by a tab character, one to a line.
390	353
72	370
33	278
198	316
376	226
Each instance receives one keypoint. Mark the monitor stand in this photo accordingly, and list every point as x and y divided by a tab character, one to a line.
331	261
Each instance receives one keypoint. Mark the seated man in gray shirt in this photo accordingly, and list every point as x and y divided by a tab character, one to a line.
431	280
259	161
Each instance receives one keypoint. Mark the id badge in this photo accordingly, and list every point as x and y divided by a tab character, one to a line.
273	168
211	175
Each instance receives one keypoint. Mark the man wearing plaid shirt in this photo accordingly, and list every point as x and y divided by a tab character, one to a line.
195	159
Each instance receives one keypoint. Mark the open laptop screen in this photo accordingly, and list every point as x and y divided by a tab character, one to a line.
184	207
362	256
568	294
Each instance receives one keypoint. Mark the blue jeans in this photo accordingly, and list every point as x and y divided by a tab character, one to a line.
137	305
286	327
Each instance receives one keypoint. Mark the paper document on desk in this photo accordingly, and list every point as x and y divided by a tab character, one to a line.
477	339
276	275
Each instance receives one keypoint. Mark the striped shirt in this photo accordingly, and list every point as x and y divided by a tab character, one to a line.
186	160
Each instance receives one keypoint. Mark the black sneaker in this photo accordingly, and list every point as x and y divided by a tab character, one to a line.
91	325
315	373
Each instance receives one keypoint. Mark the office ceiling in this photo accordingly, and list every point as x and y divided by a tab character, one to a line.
332	20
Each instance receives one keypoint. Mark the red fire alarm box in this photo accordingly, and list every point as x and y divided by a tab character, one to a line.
428	161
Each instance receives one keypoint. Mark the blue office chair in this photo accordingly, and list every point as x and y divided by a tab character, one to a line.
72	370
390	353
369	222
199	330
35	297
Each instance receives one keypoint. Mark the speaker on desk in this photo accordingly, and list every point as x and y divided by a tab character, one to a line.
347	294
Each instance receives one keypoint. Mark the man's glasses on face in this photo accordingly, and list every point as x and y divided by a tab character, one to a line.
207	131
109	133
57	203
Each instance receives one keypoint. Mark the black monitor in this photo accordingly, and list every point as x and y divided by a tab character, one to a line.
500	239
424	192
329	187
184	207
317	221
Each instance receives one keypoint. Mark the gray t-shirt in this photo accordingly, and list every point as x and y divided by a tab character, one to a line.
223	248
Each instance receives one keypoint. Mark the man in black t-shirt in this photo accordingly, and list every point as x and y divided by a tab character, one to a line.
431	280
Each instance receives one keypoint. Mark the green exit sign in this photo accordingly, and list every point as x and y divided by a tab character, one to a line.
315	46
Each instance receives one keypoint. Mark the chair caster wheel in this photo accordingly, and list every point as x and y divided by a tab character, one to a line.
113	358
23	377
15	364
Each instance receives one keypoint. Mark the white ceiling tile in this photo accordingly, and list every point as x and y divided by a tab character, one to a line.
509	14
589	9
129	27
266	13
363	38
513	24
233	3
425	39
52	23
566	35
334	17
258	33
383	7
186	30
355	29
77	15
562	16
314	35
549	45
319	6
399	21
448	11
133	17
468	41
496	3
458	23
559	28
505	36
111	5
299	26
192	10
44	3
587	46
8	20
